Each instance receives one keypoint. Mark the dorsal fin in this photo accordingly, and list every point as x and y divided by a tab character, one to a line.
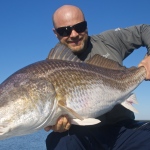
62	52
101	61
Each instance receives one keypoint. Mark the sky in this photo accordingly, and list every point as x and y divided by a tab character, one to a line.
26	34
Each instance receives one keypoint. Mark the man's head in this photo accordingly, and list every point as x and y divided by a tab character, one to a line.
70	27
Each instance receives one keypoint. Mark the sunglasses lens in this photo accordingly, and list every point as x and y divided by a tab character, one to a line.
80	27
66	31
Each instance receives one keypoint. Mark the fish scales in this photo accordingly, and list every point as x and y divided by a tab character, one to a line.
76	73
35	96
84	79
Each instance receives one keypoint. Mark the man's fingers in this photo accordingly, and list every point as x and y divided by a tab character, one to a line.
59	126
68	125
65	122
62	124
146	63
48	128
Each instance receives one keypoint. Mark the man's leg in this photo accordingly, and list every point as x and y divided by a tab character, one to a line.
53	139
136	136
79	138
58	141
126	135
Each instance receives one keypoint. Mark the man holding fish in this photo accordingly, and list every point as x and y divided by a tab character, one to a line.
118	130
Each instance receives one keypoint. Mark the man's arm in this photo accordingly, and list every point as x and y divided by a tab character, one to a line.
126	40
135	37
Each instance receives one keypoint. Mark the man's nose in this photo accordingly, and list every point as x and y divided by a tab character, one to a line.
74	33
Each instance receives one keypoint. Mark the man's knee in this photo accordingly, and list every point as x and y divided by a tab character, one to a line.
53	139
58	140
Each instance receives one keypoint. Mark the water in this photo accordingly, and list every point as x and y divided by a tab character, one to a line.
34	141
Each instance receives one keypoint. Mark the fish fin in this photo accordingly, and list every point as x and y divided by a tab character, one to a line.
101	61
84	122
128	103
4	129
62	52
62	104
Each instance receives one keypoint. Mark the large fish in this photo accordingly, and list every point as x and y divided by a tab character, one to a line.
35	96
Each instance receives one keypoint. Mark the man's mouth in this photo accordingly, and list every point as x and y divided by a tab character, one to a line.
75	42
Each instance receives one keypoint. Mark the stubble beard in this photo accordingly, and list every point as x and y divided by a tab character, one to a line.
78	49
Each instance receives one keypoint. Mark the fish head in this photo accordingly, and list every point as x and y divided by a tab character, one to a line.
24	102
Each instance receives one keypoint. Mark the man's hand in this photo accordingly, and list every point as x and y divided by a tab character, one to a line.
146	63
62	124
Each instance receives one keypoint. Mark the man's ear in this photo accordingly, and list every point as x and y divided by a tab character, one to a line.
55	32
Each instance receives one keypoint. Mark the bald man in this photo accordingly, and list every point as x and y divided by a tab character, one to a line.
70	15
118	130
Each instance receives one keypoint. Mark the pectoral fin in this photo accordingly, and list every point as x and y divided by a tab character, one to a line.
84	122
128	103
4	131
72	112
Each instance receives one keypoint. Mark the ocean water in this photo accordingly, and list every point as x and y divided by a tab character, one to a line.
35	141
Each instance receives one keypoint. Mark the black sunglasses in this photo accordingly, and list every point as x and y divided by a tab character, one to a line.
66	31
